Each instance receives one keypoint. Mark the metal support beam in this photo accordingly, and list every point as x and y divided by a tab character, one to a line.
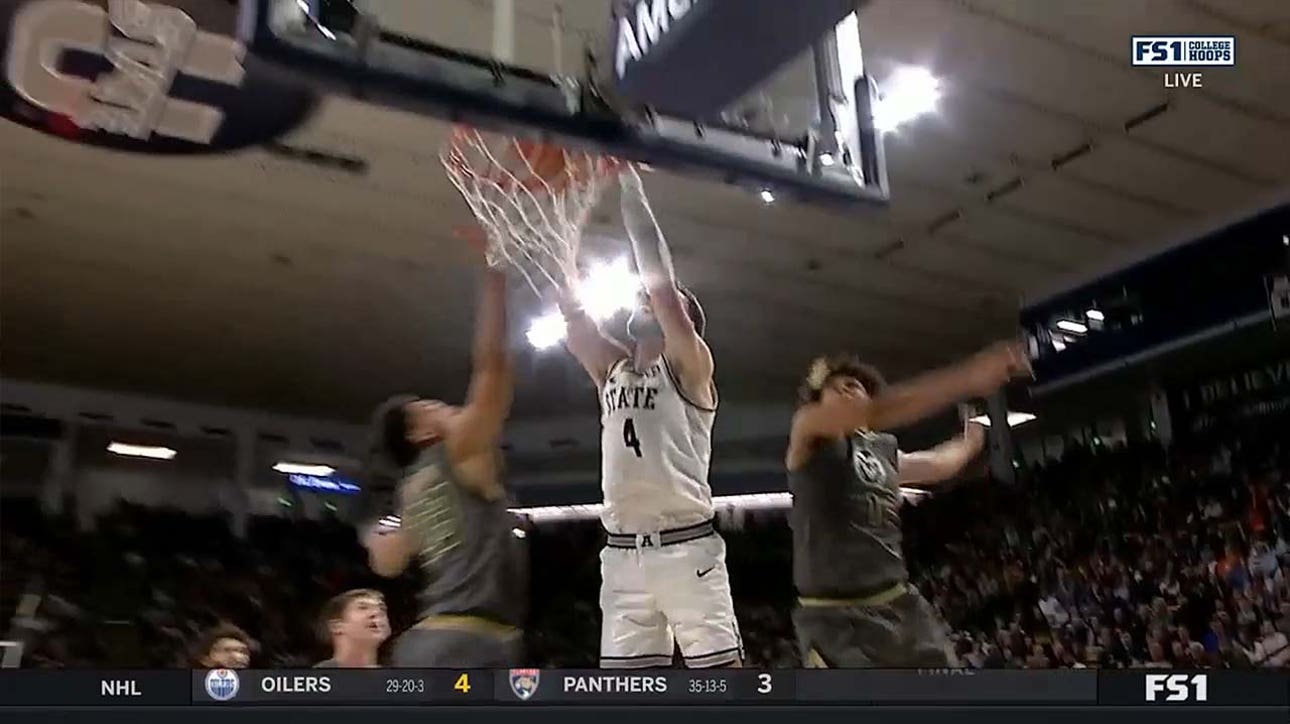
847	143
421	77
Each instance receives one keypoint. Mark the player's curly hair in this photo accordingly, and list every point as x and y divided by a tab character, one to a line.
843	364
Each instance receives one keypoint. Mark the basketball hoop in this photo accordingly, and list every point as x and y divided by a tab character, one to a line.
531	199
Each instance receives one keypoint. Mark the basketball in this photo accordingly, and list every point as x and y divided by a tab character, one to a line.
538	162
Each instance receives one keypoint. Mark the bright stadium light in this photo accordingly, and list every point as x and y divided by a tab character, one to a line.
767	196
1059	345
909	93
608	288
1095	314
290	468
1014	419
152	452
826	159
547	330
1070	325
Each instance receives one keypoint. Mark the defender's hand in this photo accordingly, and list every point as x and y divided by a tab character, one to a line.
994	366
972	431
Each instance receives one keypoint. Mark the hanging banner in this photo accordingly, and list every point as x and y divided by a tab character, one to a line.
146	77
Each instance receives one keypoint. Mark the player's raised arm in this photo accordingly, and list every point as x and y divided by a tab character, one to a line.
921	397
492	377
593	350
945	461
683	345
389	550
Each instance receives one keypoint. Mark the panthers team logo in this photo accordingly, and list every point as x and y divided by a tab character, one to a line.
524	682
868	466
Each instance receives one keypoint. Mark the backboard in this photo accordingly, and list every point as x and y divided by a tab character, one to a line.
627	78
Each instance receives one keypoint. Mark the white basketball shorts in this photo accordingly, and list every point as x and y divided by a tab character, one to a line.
653	598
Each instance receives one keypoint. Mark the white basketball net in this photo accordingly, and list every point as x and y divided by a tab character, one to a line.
531	222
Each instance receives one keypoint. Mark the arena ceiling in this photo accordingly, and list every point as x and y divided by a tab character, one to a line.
260	280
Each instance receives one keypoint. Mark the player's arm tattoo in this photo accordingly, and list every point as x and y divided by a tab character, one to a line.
654	262
653	258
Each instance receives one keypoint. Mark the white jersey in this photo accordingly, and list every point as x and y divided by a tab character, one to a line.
655	448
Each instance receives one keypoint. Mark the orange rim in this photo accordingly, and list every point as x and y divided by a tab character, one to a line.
576	167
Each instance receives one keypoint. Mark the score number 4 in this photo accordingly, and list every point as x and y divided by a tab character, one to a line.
463	684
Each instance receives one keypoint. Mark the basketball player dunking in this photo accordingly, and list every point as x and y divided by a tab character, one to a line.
857	608
453	506
663	572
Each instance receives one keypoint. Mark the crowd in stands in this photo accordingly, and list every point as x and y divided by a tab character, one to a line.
1108	558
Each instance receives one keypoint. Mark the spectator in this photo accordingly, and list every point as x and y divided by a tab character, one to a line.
224	647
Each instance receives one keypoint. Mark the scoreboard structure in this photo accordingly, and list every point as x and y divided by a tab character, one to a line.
889	695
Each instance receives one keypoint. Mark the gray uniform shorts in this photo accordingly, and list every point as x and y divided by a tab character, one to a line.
903	632
456	649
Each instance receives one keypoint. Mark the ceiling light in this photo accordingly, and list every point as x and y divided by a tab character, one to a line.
1070	325
1058	344
546	331
152	452
907	94
767	196
519	533
291	468
1014	419
1095	315
608	288
826	159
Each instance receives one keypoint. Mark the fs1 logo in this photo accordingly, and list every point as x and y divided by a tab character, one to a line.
1184	50
1177	687
140	76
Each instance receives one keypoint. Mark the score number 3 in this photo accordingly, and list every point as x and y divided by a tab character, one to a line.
763	684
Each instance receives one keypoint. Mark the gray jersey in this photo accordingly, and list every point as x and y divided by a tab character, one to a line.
473	562
846	518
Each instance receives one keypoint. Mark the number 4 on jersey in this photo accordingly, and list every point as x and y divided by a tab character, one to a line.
629	436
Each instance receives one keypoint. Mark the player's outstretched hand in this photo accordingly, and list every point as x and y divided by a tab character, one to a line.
972	431
997	364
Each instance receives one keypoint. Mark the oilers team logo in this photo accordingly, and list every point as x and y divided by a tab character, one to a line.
524	682
222	684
